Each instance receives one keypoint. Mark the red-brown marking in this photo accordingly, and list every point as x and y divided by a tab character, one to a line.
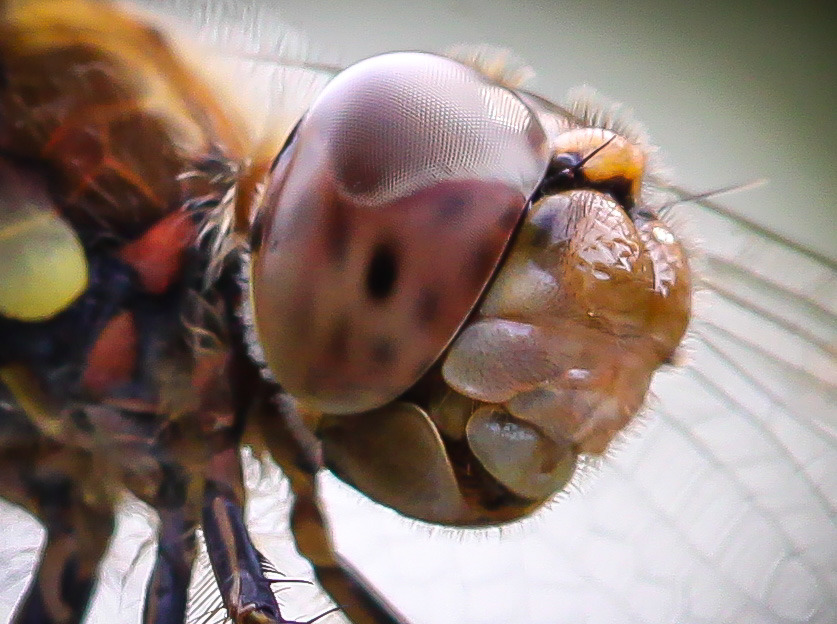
157	256
113	357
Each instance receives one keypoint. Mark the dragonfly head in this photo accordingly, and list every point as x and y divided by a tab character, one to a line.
465	295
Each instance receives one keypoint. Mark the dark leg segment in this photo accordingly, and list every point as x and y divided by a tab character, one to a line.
66	574
235	561
50	484
168	588
296	451
157	463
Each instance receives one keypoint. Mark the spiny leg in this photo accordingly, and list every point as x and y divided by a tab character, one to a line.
157	463
296	451
237	565
168	588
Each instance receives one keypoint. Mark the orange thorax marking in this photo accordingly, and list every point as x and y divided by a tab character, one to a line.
114	355
157	256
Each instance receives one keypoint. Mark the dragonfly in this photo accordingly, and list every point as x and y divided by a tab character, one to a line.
578	558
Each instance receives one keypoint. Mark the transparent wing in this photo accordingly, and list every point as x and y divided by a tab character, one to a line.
721	506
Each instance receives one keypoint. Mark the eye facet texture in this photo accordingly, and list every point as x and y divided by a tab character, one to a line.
385	222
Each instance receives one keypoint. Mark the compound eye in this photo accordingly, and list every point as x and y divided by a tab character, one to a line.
384	224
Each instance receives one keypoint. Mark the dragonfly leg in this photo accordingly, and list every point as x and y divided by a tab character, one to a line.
237	565
78	526
168	588
155	460
296	451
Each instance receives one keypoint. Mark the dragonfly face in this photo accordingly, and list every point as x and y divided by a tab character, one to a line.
383	225
548	351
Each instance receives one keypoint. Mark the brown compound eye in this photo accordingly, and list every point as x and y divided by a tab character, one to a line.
382	226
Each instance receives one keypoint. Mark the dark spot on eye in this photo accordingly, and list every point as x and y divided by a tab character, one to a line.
4	77
383	351
382	272
427	306
362	171
510	217
452	207
483	261
338	342
337	233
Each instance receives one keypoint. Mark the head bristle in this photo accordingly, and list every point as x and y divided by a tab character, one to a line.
498	64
